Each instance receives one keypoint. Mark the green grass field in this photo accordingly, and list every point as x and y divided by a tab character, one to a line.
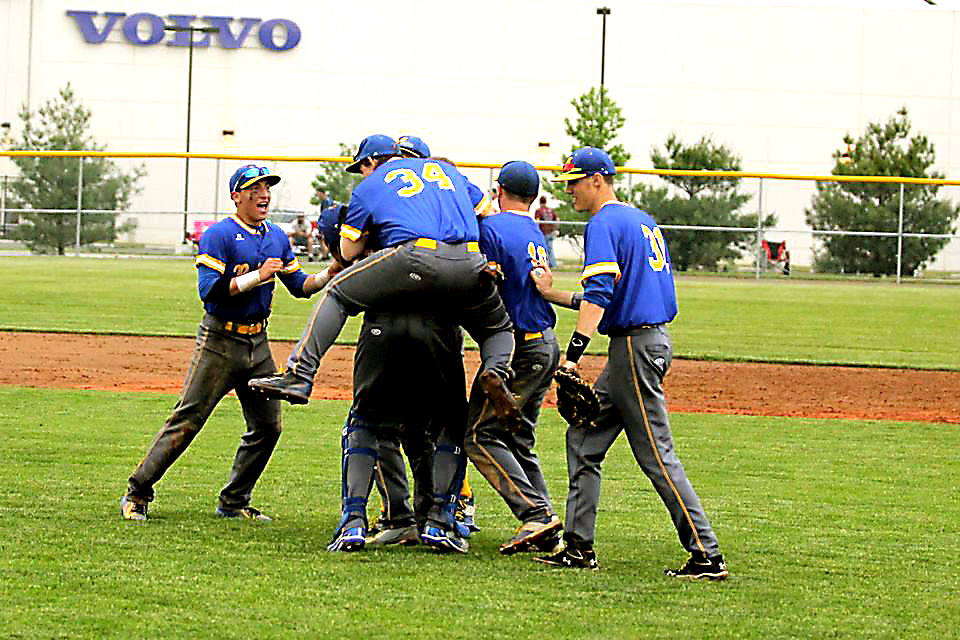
831	529
720	318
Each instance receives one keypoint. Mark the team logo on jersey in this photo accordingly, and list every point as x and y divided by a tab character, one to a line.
239	236
376	332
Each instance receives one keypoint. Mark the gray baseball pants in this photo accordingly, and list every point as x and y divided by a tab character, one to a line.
222	361
632	400
505	459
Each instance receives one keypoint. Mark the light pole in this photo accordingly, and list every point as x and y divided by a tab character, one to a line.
603	11
186	170
227	136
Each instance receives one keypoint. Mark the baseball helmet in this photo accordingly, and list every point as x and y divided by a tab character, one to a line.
328	225
373	146
413	146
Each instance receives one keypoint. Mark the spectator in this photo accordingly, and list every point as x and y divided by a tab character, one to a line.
302	234
324	200
547	218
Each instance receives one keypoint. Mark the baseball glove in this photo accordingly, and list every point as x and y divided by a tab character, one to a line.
576	401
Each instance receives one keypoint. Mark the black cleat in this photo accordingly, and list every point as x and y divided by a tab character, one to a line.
572	558
699	567
503	403
284	387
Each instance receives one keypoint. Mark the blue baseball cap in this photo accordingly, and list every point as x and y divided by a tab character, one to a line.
413	146
519	177
373	147
249	174
586	162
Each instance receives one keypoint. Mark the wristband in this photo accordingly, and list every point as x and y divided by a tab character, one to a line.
575	300
578	344
248	281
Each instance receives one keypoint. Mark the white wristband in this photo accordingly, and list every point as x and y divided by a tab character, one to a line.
248	280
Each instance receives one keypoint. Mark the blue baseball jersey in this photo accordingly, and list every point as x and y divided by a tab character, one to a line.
511	240
626	269
409	198
232	248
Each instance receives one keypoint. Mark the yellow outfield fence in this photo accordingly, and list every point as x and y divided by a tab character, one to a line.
201	188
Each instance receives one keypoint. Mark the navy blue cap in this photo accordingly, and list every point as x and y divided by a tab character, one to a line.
586	162
373	147
413	146
519	177
250	174
328	225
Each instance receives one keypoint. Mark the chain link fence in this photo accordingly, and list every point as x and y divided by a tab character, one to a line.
158	222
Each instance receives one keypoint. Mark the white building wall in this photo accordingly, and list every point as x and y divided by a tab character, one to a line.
486	81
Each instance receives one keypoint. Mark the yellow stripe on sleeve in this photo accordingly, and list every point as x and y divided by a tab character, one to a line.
210	261
483	207
350	233
292	267
598	268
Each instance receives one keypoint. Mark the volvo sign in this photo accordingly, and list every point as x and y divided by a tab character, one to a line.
144	29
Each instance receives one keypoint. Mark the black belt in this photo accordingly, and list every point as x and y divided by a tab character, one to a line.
635	330
238	328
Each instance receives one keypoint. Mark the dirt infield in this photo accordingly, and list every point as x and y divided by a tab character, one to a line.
131	363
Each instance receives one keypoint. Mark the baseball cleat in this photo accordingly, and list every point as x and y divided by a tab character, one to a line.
572	558
465	515
130	509
443	541
350	539
394	536
699	566
285	387
247	513
529	532
503	402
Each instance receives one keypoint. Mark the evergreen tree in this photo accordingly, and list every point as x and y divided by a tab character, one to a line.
711	202
883	150
597	125
62	124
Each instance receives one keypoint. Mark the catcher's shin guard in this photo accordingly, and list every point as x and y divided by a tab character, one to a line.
358	459
449	468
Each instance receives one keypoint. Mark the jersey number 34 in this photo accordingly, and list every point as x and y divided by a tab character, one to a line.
431	172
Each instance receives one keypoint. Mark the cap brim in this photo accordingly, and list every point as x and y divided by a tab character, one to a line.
354	167
271	179
576	174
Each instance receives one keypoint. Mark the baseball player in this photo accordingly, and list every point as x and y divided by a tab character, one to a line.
466	510
419	209
239	260
629	295
513	244
408	379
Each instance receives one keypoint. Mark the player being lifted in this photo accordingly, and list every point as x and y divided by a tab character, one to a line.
420	210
